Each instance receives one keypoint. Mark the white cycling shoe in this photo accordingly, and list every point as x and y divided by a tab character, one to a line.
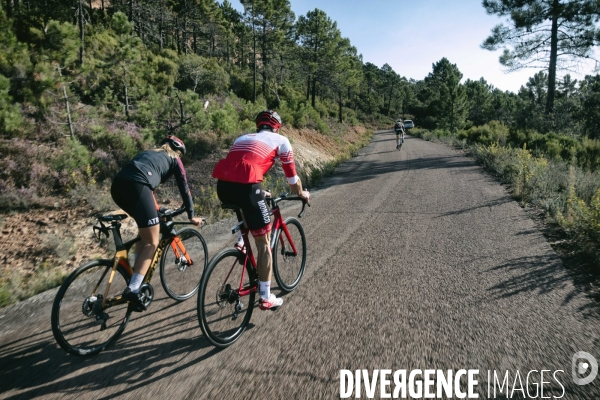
272	303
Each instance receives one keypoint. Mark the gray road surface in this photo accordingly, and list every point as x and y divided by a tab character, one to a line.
417	260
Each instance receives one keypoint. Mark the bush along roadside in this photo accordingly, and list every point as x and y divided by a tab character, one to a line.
556	174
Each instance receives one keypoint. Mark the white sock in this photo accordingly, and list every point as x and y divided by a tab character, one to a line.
136	282
265	289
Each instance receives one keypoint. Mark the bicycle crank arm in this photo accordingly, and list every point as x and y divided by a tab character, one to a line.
114	301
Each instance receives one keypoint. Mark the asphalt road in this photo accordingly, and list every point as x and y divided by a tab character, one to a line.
417	260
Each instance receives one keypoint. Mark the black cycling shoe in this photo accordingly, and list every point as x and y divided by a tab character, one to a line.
135	300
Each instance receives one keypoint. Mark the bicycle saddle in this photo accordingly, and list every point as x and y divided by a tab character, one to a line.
109	218
230	207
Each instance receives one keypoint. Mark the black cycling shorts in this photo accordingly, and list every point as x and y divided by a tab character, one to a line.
251	199
137	200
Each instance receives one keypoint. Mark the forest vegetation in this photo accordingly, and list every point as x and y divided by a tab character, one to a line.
86	84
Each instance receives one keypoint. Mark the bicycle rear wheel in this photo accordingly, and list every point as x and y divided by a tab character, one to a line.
79	324
222	312
178	276
288	266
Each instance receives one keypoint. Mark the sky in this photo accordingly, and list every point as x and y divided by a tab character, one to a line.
411	35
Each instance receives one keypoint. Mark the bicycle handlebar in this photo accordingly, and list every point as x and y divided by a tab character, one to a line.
283	196
169	214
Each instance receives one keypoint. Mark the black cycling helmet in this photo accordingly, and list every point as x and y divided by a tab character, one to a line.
175	143
268	118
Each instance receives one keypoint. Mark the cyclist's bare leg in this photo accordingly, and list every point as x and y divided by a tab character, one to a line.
264	259
144	250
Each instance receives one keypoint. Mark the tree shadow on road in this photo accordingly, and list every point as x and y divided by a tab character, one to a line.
35	366
487	204
545	274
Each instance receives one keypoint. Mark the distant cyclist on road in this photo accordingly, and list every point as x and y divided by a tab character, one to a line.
239	176
133	191
399	128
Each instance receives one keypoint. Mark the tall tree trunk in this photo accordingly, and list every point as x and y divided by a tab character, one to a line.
66	100
254	53
139	26
160	32
184	34
308	88
264	58
126	91
195	38
553	59
242	45
9	12
177	35
130	16
390	99
340	119
81	33
227	49
314	91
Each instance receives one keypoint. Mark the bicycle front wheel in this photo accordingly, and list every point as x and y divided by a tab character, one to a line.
182	263
288	265
225	300
80	324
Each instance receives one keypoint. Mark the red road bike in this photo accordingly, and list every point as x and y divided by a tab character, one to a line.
229	285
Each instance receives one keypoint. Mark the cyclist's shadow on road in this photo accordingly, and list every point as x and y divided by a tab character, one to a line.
152	351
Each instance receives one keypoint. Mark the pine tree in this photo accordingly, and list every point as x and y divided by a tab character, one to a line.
549	34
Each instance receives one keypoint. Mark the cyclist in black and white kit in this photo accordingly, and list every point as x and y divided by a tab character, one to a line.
399	128
133	191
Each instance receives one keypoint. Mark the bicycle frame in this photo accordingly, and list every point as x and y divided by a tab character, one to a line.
278	223
122	258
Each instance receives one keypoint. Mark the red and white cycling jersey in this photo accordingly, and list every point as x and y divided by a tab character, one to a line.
252	155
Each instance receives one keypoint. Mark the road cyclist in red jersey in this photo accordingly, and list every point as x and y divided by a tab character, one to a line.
239	183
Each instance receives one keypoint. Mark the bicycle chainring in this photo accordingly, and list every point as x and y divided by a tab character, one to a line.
88	306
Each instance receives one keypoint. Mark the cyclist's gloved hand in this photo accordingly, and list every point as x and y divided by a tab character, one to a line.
196	221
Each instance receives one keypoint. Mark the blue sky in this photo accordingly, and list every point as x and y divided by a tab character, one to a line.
410	35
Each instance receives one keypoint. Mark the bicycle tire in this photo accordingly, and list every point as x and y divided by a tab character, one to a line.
181	281
288	268
220	322
74	324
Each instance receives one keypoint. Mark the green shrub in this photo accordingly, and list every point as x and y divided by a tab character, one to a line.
10	113
492	132
75	157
